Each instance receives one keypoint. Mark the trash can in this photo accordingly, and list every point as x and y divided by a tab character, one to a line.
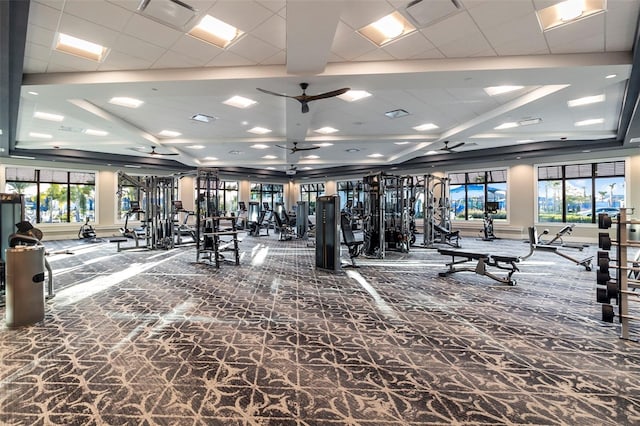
24	292
634	232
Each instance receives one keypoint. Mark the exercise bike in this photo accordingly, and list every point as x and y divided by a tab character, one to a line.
87	232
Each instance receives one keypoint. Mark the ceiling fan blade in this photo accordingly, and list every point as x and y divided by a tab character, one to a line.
456	146
269	92
305	107
328	94
310	148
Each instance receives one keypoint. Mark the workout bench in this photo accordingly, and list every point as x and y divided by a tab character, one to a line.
535	245
507	263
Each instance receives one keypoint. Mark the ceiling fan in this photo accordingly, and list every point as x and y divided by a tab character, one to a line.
296	149
451	148
156	153
304	99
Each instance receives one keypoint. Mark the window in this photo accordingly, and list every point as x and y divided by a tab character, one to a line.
267	193
129	190
468	193
227	191
53	196
577	193
350	190
309	192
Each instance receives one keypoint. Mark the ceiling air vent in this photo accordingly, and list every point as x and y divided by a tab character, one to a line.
169	12
426	12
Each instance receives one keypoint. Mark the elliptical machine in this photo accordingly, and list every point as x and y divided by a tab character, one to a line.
490	208
87	232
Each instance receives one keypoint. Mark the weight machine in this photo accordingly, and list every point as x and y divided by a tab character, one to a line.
388	213
437	213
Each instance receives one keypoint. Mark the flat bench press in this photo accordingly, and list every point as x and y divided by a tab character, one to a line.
507	263
535	245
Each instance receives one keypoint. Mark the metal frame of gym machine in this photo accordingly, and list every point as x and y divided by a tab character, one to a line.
387	213
437	210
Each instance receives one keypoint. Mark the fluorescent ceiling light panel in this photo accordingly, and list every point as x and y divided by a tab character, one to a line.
529	121
40	135
259	130
499	90
354	95
211	158
48	116
509	125
376	155
396	113
586	100
611	76
402	143
195	146
323	144
312	157
568	11
94	132
239	102
326	130
307	168
387	29
269	157
79	47
126	102
426	126
260	146
216	32
169	133
589	122
203	118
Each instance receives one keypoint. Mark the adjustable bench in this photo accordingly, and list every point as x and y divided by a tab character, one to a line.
507	263
535	245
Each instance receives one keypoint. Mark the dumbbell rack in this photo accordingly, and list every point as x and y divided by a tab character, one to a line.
620	287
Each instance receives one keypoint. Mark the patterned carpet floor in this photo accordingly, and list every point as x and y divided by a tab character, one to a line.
154	338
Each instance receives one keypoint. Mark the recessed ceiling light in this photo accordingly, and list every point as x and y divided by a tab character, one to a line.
79	47
499	90
195	146
326	130
376	155
529	121
203	118
427	126
40	135
589	122
524	140
126	102
214	31
352	150
323	144
259	130
211	158
33	93
270	157
312	157
387	29
509	125
244	123
585	101
169	133
259	146
94	132
234	152
568	11
431	152
396	113
612	76
402	143
270	168
48	116
354	95
307	168
239	102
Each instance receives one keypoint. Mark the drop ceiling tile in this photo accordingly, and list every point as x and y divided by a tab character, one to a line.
274	5
61	62
619	29
429	54
273	31
523	46
348	44
37	51
229	59
520	28
408	46
46	17
583	45
130	5
491	13
245	15
100	12
253	49
156	33
453	28
134	47
195	48
86	30
173	59
118	61
279	58
466	47
34	66
375	55
576	34
40	35
55	4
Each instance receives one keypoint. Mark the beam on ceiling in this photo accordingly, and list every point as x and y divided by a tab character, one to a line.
629	125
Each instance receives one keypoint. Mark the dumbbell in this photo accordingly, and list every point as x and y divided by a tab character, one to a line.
603	261
604	221
605	294
608	314
604	241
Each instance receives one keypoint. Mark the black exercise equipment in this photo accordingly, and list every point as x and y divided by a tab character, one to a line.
534	245
490	208
483	260
349	240
327	237
557	239
285	231
87	232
